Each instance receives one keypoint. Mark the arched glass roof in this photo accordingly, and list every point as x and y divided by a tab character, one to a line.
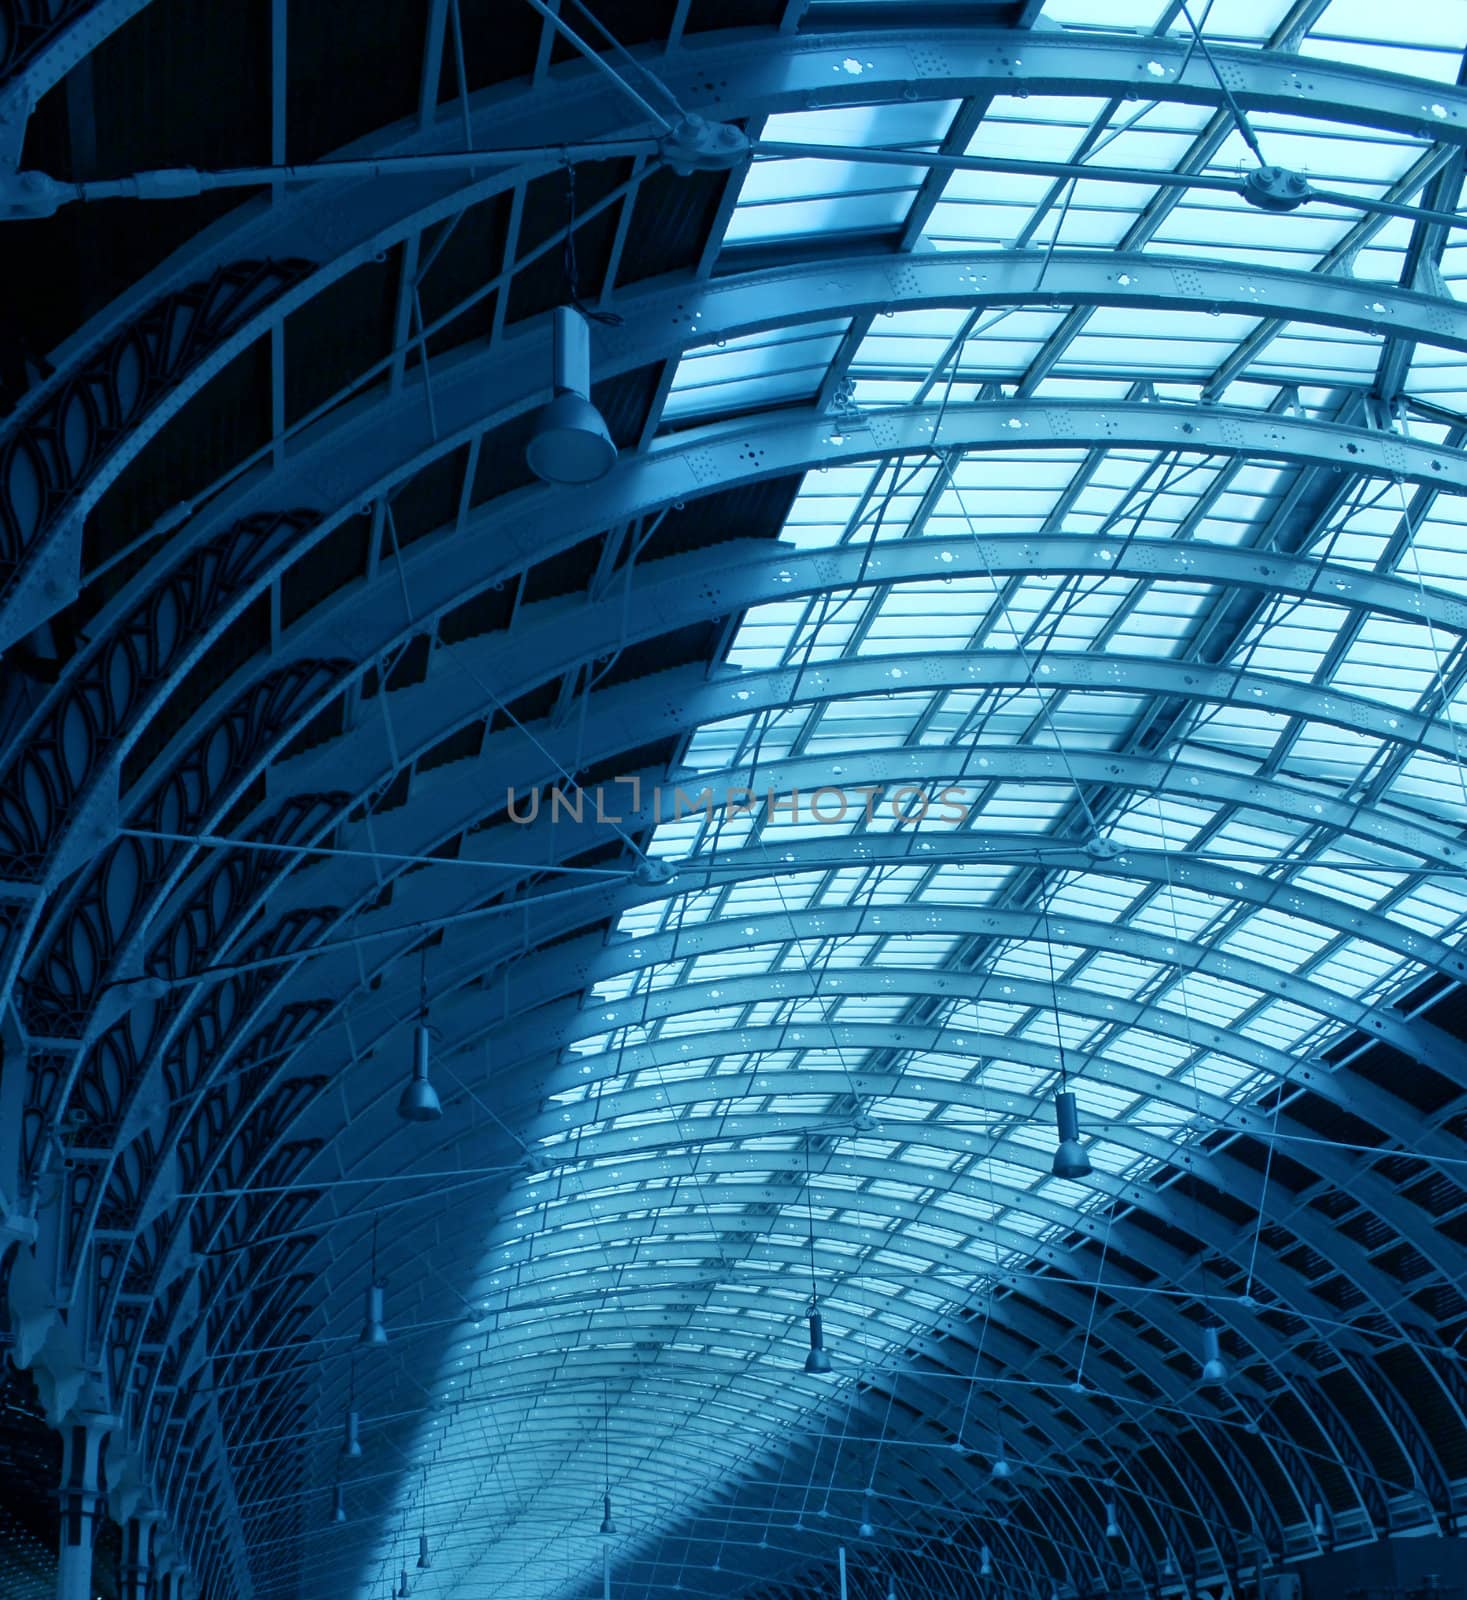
1019	650
1011	778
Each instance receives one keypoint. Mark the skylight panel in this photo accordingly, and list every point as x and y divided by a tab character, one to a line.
1433	24
914	347
1391	660
786	198
1359	971
762	369
1119	16
1434	906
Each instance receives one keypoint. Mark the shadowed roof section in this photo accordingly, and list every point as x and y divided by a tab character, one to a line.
1018	653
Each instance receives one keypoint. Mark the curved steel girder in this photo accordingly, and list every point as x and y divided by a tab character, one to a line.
1038	1332
906	1381
1432	1047
473	1016
661	323
1125	1466
58	462
1239	440
568	840
1219	1170
1222	1173
710	458
693	1248
1036	996
535	523
762	73
716	594
531	525
893	1490
735	576
1408	1431
1258	692
1320	807
42	52
784	72
1061	1298
1257	792
560	1415
547	1338
684	701
1155	867
1063	1440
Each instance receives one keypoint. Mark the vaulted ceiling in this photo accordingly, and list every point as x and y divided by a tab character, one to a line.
1019	647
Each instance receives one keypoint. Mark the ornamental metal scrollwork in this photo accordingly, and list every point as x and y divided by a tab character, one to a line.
201	787
155	1030
61	448
60	751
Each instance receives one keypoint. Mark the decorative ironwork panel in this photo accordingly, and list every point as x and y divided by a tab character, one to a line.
60	753
64	448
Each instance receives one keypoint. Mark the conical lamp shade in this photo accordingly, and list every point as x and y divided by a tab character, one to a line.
1070	1160
571	442
419	1101
1214	1369
817	1362
373	1332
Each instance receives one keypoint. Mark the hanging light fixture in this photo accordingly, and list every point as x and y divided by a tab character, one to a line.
373	1331
1112	1527
424	1560
571	442
338	1504
1168	1567
1000	1467
817	1362
1070	1160
985	1563
419	1101
403	1590
351	1444
867	1530
608	1527
1321	1527
1214	1369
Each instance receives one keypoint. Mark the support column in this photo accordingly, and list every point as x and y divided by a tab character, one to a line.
173	1581
137	1556
84	1440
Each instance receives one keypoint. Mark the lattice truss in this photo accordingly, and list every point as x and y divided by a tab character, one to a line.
1022	641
